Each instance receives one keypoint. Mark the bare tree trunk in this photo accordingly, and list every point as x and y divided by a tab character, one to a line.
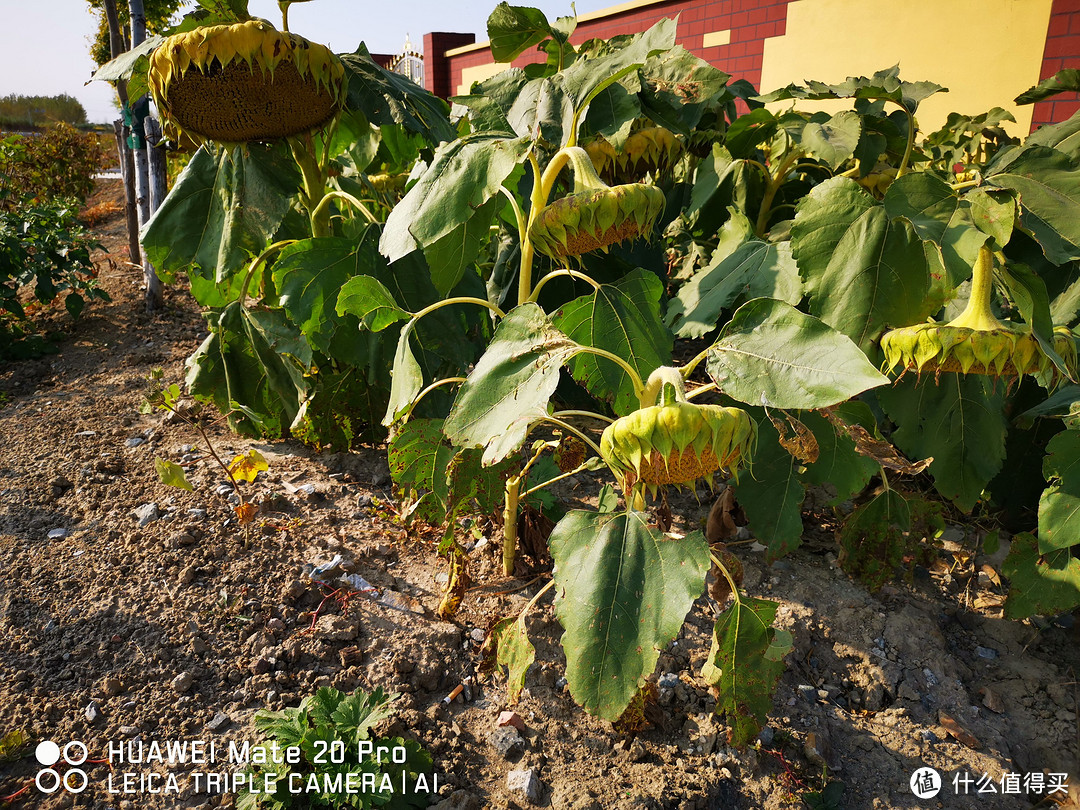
159	175
140	111
116	47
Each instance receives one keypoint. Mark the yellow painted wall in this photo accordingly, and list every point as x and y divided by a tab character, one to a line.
478	73
986	52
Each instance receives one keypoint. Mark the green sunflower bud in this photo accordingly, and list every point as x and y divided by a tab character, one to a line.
244	82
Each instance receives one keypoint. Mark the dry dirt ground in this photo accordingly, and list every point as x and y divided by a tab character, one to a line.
181	628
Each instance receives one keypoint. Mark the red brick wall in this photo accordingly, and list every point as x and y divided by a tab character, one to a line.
751	22
1062	51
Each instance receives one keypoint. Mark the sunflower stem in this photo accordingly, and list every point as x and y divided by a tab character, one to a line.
977	314
262	257
510	520
556	274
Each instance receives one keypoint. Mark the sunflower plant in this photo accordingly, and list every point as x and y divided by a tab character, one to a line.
619	262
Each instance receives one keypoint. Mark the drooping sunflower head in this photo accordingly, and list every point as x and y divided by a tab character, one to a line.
1006	351
650	150
976	342
596	218
677	442
244	82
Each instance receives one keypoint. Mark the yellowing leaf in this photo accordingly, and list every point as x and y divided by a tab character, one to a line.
246	467
245	512
171	474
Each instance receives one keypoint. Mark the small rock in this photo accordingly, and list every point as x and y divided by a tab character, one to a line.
135	441
928	736
182	682
219	722
766	736
147	513
477	635
129	731
525	782
58	534
637	751
224	489
507	742
807	692
991	700
187	576
198	646
112	687
198	514
986	652
92	713
261	665
669	680
84	434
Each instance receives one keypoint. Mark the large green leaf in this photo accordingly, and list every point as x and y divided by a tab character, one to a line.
622	318
406	377
939	217
388	98
1059	507
832	139
771	495
464	175
623	591
511	382
744	664
1048	184
959	421
756	269
1064	81
370	301
771	354
512	30
225	208
251	366
864	271
309	276
678	87
1040	583
587	77
448	257
419	456
542	110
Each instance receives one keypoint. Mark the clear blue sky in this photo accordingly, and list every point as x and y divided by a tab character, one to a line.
44	43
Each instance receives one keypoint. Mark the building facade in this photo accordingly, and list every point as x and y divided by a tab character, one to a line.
985	51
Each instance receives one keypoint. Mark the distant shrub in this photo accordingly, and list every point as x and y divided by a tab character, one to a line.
44	252
60	163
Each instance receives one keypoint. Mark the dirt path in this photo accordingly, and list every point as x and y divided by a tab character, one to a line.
131	611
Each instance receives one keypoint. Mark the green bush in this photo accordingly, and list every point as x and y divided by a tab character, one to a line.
44	252
59	163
